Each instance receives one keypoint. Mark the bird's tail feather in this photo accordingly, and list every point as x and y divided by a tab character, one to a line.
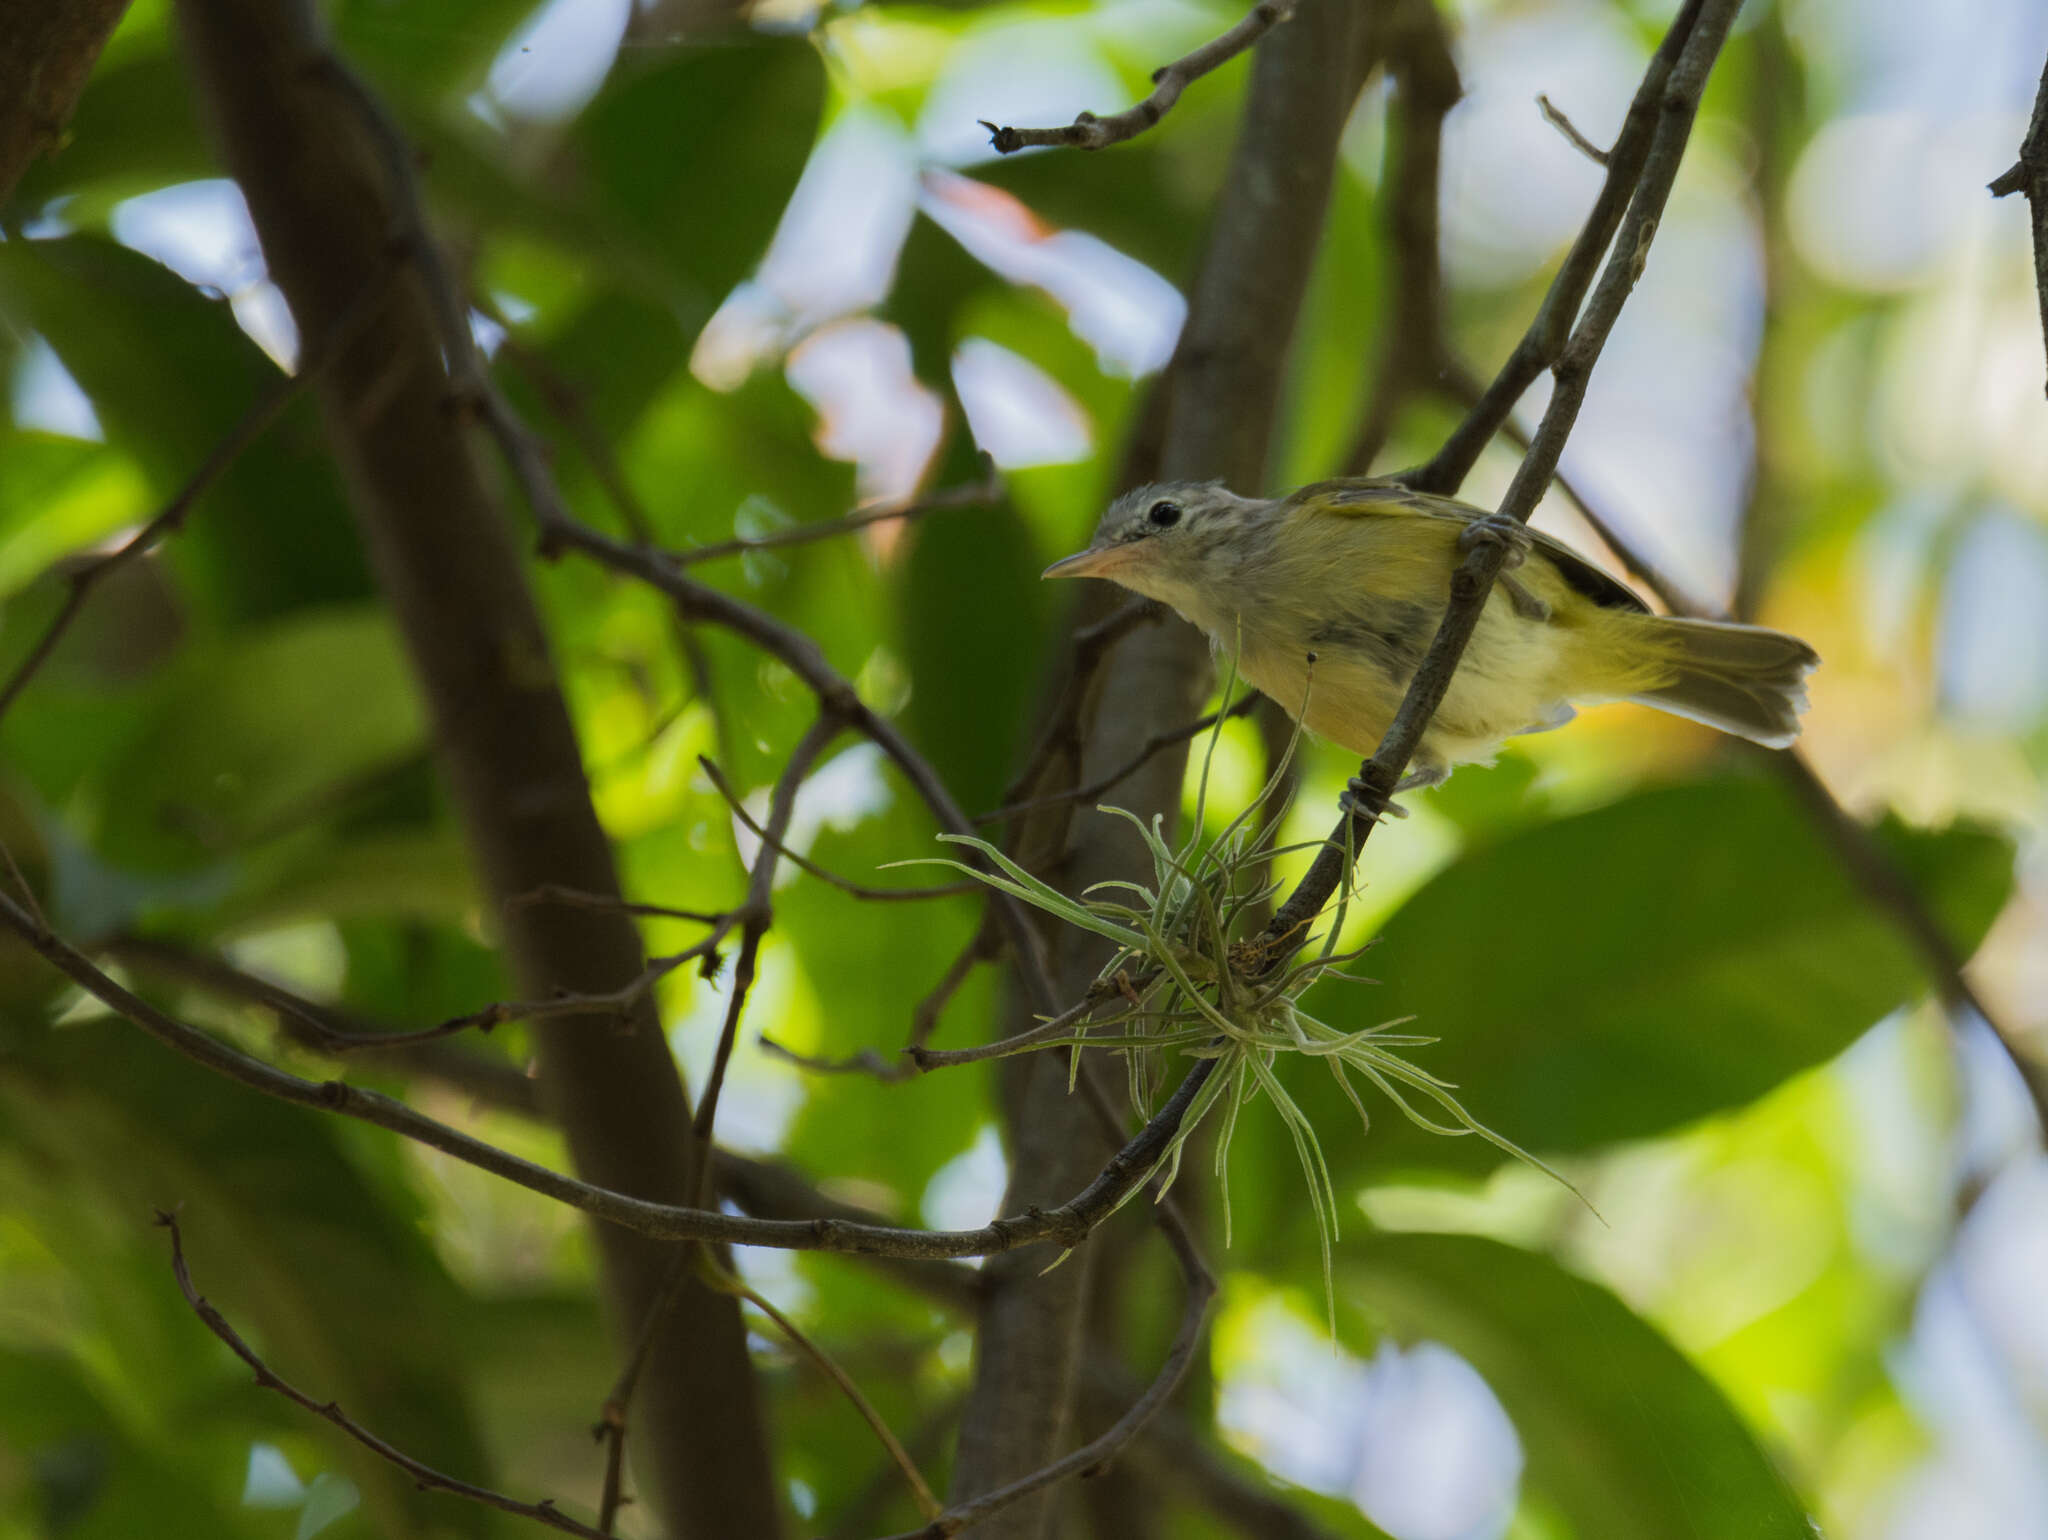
1746	680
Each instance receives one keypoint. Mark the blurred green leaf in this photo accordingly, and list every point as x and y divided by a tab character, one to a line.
79	1469
664	153
1621	1432
257	739
1625	971
170	374
314	1255
974	629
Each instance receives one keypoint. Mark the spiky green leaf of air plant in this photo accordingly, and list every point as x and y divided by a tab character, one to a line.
1170	986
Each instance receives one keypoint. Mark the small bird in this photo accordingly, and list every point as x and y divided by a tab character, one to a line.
1331	595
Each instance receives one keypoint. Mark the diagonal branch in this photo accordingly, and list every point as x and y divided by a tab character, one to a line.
2029	174
332	191
835	693
328	1030
1680	69
1088	132
429	1479
1543	344
1066	1225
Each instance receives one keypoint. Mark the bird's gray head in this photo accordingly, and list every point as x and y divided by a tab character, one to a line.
1168	540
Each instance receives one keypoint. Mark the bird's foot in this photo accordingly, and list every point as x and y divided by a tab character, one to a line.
1361	801
1497	529
1357	797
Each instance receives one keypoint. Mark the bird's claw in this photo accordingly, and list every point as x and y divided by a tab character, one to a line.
1498	529
1357	797
1360	800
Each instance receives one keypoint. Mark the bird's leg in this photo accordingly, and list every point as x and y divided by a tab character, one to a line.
1492	529
1358	797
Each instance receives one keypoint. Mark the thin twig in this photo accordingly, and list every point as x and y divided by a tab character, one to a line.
1065	1226
566	402
756	913
1094	1455
618	1003
759	912
983	946
1554	116
427	1478
1088	132
2029	174
804	863
22	885
1105	783
576	898
1411	329
920	1489
1679	70
1061	737
981	494
1040	1036
326	1030
834	691
1544	342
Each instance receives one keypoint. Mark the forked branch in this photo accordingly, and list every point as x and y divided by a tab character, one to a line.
1088	132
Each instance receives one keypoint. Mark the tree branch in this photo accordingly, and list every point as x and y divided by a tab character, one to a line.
1065	1226
2029	174
804	863
1088	132
1412	353
1680	66
979	495
1099	1451
1213	417
429	1479
835	693
47	51
330	185
1171	738
1543	343
326	1030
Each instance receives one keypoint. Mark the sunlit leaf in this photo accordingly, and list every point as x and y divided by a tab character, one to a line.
1622	1433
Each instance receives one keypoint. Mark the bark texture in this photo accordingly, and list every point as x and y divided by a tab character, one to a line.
448	565
1221	391
47	49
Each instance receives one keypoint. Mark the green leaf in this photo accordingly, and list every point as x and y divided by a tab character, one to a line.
304	1231
1625	971
1621	1431
708	201
249	740
171	374
973	634
87	1472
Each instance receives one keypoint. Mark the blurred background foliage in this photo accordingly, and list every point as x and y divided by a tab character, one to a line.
754	280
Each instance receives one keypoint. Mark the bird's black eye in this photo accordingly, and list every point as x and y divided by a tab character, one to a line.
1164	515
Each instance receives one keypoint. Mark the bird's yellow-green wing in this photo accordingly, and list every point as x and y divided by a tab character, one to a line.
1367	497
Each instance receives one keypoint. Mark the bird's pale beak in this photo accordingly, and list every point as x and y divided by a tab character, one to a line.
1098	561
